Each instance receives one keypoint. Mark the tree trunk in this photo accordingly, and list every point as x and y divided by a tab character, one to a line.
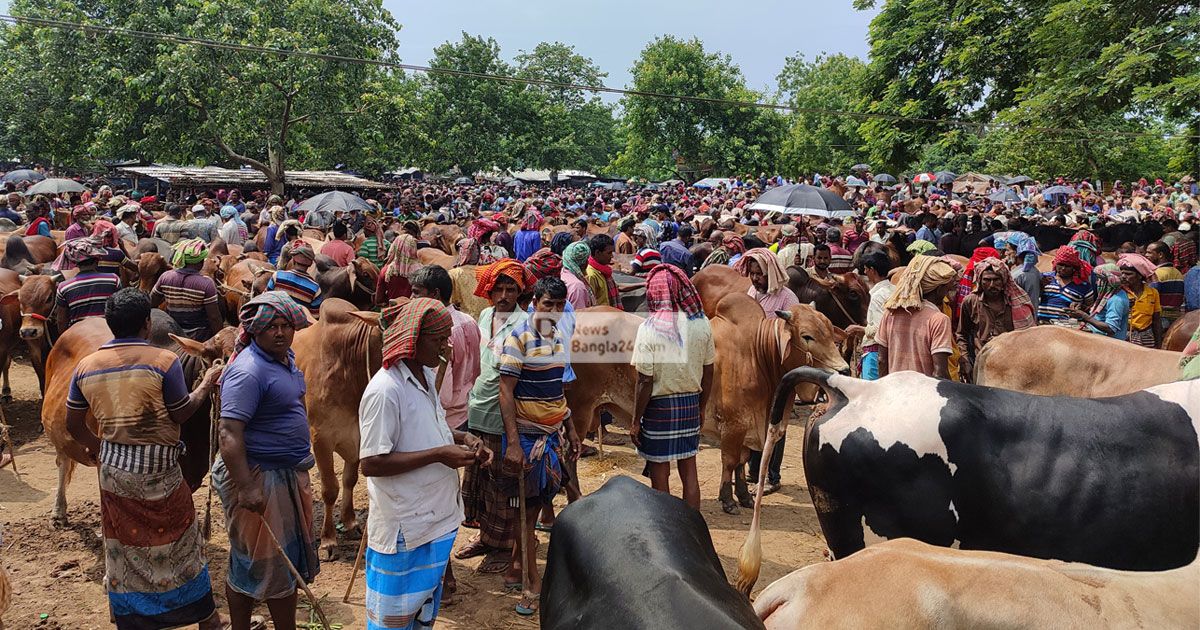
275	176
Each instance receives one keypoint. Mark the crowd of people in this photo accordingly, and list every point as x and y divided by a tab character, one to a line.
946	275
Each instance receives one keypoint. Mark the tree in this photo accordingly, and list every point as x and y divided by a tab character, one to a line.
668	135
573	128
470	121
816	141
195	103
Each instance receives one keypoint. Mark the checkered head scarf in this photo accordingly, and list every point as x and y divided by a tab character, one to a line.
486	275
189	252
403	324
257	314
668	293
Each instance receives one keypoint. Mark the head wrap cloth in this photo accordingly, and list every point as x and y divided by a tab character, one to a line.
403	324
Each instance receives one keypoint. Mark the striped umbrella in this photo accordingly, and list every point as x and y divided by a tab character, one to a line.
924	178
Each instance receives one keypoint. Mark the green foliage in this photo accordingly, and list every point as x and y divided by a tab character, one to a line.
814	141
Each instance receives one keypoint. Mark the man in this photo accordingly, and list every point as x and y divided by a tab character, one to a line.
127	216
625	243
599	272
1067	287
155	572
996	305
87	294
673	354
374	248
952	241
929	231
462	367
171	228
533	409
261	475
1024	271
529	237
841	260
875	266
318	218
292	276
338	249
1168	281
81	217
822	259
579	228
914	334
574	275
677	251
1145	305
409	456
730	245
188	296
485	503
768	281
232	231
7	212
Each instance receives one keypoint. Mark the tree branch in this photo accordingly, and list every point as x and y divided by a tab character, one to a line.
237	157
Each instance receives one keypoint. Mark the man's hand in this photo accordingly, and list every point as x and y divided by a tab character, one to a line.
456	456
575	446
514	458
483	454
635	432
251	497
212	375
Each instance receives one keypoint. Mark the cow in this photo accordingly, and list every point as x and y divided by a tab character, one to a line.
338	355
843	299
1180	333
84	338
354	283
1057	361
443	236
715	282
676	582
247	277
21	253
1113	482
151	266
908	584
10	324
36	302
435	256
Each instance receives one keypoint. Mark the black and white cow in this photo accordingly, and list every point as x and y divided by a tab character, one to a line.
627	556
1112	482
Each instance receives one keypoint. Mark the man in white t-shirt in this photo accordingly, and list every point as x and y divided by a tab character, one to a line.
410	456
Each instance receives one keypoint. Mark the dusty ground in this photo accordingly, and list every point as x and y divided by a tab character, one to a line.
57	572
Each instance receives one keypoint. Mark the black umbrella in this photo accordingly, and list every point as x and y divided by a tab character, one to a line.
1059	190
333	202
1007	195
803	199
945	177
862	168
22	174
884	178
55	186
464	180
1019	179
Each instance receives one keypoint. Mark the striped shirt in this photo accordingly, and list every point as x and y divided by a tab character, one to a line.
370	250
1057	298
112	261
300	287
1169	283
131	387
84	295
538	363
185	293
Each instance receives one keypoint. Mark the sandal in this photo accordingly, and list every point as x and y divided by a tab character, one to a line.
588	451
474	549
471	524
528	604
542	527
495	562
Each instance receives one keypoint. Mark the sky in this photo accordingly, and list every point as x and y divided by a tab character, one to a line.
758	35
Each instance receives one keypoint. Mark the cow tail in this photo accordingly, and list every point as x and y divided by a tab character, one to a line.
980	360
784	392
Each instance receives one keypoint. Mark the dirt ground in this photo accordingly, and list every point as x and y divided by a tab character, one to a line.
56	572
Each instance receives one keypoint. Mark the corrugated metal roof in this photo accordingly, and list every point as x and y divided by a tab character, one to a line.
215	176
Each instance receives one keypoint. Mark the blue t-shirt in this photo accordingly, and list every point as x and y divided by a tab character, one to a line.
268	397
527	243
1191	289
7	213
1116	314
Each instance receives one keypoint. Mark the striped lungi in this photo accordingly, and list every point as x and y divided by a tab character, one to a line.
155	572
484	499
1143	338
545	472
670	428
255	568
404	589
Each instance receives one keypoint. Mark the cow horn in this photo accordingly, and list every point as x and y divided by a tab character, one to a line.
784	315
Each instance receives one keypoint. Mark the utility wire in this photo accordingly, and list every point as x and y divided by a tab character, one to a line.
599	89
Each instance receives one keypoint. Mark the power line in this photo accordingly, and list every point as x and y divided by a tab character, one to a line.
599	89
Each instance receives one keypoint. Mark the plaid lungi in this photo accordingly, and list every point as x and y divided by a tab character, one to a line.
155	572
255	568
671	428
404	589
484	499
1143	338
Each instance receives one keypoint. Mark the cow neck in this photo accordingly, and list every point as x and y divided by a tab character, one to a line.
768	352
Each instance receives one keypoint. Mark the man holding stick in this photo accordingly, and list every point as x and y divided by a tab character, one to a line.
410	457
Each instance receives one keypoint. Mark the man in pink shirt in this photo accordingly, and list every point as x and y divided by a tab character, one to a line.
768	281
461	368
338	249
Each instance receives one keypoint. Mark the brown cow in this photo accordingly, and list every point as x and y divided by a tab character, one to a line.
1180	333
443	236
338	355
355	283
844	299
244	279
36	302
1057	361
715	282
10	324
463	296
84	338
908	584
21	253
435	256
151	266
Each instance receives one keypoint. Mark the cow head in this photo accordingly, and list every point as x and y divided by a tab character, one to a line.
220	346
151	265
36	298
810	339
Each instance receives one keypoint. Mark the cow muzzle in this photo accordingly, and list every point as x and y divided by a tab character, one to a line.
33	325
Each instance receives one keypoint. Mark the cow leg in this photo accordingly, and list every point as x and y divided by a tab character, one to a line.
349	479
740	489
323	453
5	364
731	452
66	466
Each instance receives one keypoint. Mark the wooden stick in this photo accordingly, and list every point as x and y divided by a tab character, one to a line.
295	573
214	419
12	455
524	534
362	550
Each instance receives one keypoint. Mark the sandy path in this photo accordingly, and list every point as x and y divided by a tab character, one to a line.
57	572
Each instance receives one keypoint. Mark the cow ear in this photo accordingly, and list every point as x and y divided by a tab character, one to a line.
839	335
784	315
190	346
9	298
370	317
247	284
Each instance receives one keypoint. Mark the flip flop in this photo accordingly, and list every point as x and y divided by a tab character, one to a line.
588	451
474	549
496	565
527	606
